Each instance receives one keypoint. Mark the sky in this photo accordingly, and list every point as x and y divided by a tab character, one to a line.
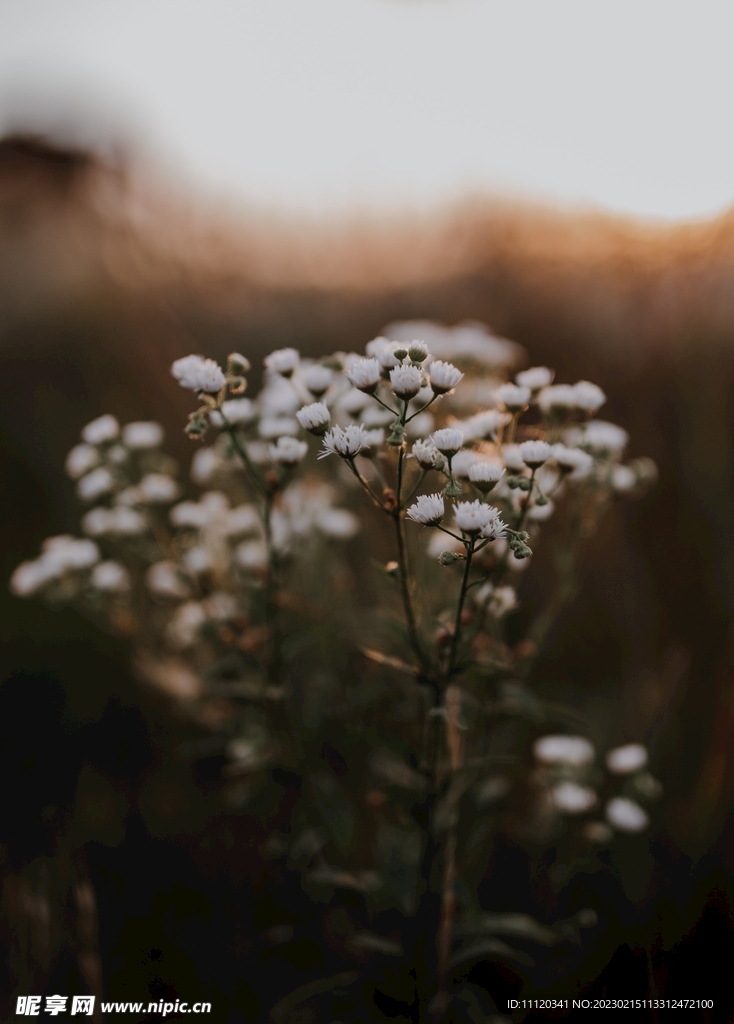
370	104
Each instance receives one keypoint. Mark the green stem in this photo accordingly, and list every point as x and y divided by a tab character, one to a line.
460	608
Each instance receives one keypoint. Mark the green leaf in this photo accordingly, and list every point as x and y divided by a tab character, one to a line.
489	949
313	988
360	881
373	943
520	926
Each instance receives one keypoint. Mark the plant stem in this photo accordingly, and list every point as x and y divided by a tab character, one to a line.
410	619
460	608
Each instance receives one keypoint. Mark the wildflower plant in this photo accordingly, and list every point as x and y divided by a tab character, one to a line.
396	726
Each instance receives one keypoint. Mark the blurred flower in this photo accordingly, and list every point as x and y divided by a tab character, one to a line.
629	758
198	374
570	798
444	376
514	398
110	578
283	361
535	453
625	815
346	443
95	484
535	378
105	428
80	460
142	435
288	451
314	418
571	750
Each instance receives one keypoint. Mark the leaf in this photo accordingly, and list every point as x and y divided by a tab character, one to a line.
312	988
519	925
487	949
335	809
395	772
388	659
360	881
376	944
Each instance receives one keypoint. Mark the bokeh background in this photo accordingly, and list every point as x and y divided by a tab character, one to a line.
208	177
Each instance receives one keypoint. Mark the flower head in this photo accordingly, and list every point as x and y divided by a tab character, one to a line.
110	578
572	460
95	484
486	475
473	516
514	398
346	443
426	454
570	798
535	453
234	411
494	527
405	381
626	815
557	399
588	397
288	451
444	376
427	510
283	361
317	379
80	460
365	375
571	750
535	378
314	418
105	428
600	437
448	440
484	424
142	435
629	758
418	351
158	489
198	374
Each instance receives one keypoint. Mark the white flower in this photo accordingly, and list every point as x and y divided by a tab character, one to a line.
539	513
278	397
94	484
346	443
337	522
448	440
386	355
570	798
601	437
110	577
558	398
418	351
625	815
271	427
283	361
572	460
214	506
514	398
205	463
405	381
288	451
30	577
444	376
158	489
624	479
252	555
512	458
163	579
375	416
106	428
571	750
198	374
120	521
427	510
629	758
373	439
494	527
462	463
142	434
185	625
242	520
258	452
234	411
535	453
588	397
364	375
502	602
535	378
486	475
374	347
59	555
80	460
427	454
197	560
472	517
353	401
484	424
314	418
71	553
317	379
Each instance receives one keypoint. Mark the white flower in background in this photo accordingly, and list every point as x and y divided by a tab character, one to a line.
142	434
535	378
252	555
339	523
499	601
484	424
427	510
95	484
204	465
486	475
241	520
588	397
314	418
570	798
420	425
448	440
626	815
212	507
234	412
572	460
258	452
427	454
444	376
386	355
557	399
629	758
220	606
80	460
405	380
462	463
110	578
345	443
535	453
288	451
271	427
601	438
472	517
494	527
514	398
198	374
278	397
365	375
317	379
540	513
71	553
353	401
376	416
439	542
163	580
283	361
571	750
30	577
418	351
184	627
374	347
373	439
119	521
624	479
158	489
197	560
512	458
99	431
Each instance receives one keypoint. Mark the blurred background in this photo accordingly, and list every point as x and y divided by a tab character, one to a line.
180	177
